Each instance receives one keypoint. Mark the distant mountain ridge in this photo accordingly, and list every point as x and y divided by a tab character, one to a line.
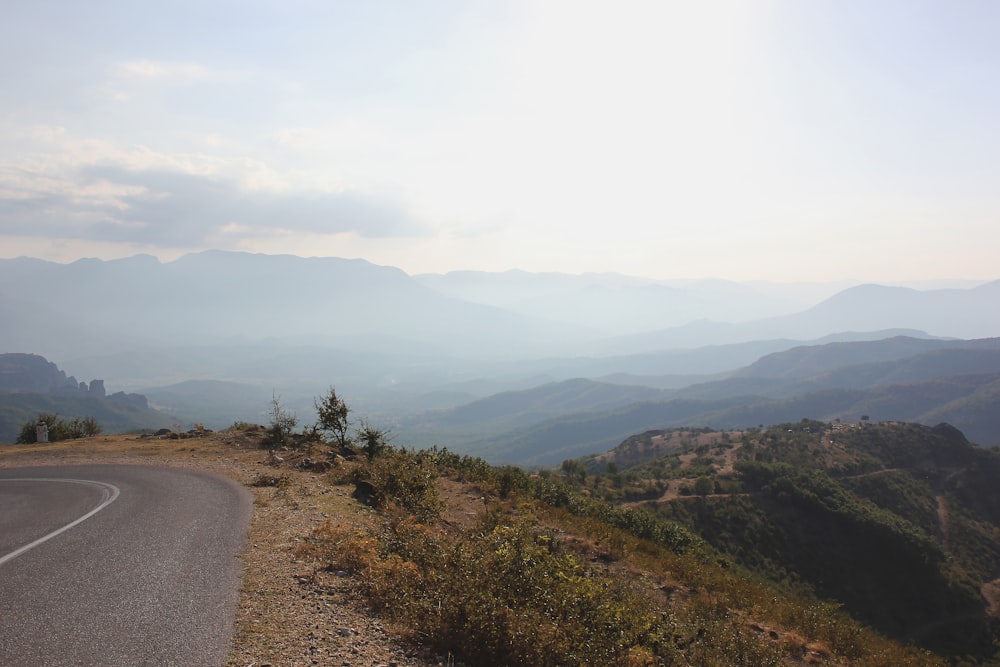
927	381
212	296
968	313
806	360
610	303
215	296
954	313
400	345
545	401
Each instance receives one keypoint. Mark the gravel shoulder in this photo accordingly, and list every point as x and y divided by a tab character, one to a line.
290	613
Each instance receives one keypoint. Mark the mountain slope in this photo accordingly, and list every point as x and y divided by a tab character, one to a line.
211	296
809	369
956	313
968	401
900	523
611	303
965	398
524	407
808	360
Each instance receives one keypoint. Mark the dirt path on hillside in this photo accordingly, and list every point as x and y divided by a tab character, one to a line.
944	520
944	511
873	473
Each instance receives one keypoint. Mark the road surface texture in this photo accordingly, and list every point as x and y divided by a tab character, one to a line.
149	576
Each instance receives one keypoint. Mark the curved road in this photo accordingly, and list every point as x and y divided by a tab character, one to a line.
118	565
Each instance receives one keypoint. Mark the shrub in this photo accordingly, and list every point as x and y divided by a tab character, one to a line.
538	606
332	418
281	425
59	429
372	440
703	486
266	480
403	479
509	591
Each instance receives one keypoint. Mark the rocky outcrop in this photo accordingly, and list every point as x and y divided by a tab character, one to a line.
135	400
34	374
21	372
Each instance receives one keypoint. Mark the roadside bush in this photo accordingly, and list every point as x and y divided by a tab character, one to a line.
59	429
538	606
280	426
403	479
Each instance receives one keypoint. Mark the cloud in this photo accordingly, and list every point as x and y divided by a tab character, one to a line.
178	72
146	198
139	80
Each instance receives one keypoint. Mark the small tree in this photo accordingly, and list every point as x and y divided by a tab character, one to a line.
83	428
29	434
373	440
281	423
333	420
704	486
573	468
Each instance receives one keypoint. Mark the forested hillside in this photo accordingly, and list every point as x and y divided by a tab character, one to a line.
899	523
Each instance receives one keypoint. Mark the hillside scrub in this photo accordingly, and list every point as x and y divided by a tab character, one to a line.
538	606
645	592
334	432
770	557
897	522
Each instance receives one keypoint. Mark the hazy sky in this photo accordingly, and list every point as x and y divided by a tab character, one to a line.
789	140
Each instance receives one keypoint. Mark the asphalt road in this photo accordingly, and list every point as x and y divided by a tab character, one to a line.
123	565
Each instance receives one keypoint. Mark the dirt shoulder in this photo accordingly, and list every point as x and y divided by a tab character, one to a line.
284	618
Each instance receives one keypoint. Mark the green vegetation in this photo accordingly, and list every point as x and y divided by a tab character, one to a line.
899	523
800	542
58	428
281	425
16	409
332	418
573	580
539	605
332	429
400	479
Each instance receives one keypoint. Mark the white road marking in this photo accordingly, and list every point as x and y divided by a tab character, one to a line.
109	494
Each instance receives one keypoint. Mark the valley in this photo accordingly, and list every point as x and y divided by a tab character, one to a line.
816	495
568	334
